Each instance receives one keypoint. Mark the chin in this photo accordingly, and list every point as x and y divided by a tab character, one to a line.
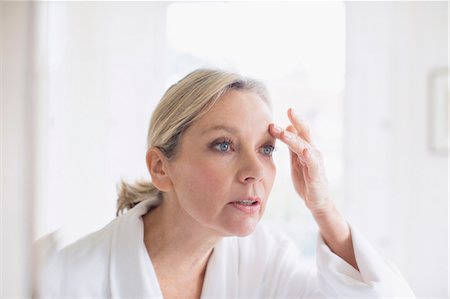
244	229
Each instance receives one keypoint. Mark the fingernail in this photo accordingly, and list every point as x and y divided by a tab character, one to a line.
277	129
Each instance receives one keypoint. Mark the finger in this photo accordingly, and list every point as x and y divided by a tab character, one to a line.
301	152
275	130
294	141
291	129
290	138
298	170
295	157
308	158
300	126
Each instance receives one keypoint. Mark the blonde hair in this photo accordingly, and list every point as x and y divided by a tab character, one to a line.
181	105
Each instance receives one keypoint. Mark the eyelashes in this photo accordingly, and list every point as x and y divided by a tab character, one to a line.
225	145
271	148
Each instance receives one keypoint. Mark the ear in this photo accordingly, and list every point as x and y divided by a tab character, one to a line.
157	166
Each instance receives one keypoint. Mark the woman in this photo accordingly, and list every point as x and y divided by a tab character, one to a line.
193	232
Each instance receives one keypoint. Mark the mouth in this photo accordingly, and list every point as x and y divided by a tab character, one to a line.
249	205
247	202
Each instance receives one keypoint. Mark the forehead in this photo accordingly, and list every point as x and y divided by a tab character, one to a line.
240	110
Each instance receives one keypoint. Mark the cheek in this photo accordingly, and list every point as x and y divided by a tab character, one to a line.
206	177
270	177
273	173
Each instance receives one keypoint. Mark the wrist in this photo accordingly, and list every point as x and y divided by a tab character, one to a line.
331	223
325	209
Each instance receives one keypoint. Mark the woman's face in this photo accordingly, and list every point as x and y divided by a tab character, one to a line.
223	171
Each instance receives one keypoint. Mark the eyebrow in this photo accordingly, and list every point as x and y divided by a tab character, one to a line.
232	130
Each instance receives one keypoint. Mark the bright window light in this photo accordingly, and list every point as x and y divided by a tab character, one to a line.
298	50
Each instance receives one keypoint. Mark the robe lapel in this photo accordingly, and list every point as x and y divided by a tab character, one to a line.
222	272
131	271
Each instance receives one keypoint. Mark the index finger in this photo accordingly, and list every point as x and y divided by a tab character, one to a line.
300	126
294	141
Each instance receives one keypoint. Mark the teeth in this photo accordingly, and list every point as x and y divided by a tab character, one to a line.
246	202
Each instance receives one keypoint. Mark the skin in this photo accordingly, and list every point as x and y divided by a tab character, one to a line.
209	173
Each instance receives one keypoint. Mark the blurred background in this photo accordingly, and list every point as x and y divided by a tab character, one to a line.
79	81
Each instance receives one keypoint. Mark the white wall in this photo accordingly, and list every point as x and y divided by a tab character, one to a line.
103	70
397	188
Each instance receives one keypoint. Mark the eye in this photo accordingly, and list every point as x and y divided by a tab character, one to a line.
268	150
223	146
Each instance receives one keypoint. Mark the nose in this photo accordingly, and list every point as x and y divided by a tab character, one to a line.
251	168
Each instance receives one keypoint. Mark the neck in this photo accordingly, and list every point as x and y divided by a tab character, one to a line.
176	242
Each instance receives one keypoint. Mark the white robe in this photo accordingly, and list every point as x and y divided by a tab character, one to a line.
113	263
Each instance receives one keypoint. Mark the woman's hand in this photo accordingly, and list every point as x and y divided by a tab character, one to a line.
307	168
310	182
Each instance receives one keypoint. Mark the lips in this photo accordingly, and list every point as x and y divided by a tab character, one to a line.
248	205
249	200
246	202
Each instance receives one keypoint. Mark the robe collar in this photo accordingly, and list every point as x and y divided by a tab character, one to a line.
131	270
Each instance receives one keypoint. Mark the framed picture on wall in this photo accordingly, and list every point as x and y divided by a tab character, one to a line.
439	111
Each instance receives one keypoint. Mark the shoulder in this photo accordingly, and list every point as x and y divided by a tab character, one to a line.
91	264
82	265
90	246
95	248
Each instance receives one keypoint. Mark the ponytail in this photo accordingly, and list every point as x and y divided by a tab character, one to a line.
131	195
